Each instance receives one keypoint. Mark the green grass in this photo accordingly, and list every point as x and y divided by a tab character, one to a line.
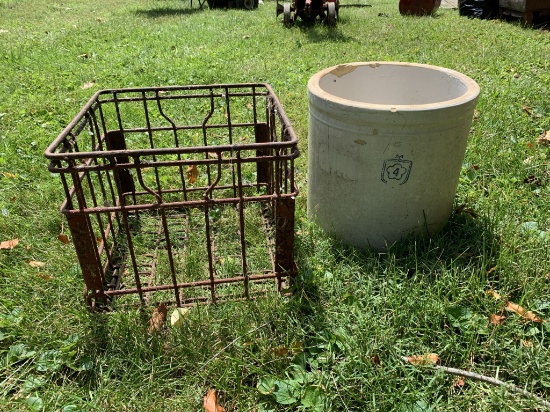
350	309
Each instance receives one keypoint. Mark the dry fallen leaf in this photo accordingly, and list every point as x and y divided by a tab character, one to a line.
514	307
157	318
520	310
9	244
466	210
192	173
458	382
544	138
210	402
296	347
528	160
36	264
491	270
496	319
63	238
177	319
423	360
87	85
44	276
281	351
375	359
494	294
527	343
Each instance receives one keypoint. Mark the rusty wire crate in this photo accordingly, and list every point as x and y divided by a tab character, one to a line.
179	194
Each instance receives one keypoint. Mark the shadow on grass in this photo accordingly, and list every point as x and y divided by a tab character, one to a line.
168	11
467	240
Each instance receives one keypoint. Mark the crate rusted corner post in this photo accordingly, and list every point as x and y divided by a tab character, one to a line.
263	168
114	140
85	247
284	239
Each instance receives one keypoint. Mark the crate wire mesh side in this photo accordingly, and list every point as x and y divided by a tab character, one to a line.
179	194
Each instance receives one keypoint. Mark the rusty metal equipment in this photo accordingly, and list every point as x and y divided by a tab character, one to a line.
179	194
309	10
247	4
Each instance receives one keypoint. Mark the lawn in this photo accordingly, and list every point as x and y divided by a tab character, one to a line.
338	342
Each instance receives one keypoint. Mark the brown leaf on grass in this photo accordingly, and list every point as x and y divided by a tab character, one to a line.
9	244
423	360
492	293
375	359
9	175
466	210
297	347
63	238
459	382
476	115
491	270
157	318
44	276
496	319
87	85
527	109
280	351
544	138
527	343
36	264
192	173
210	402
514	307
520	310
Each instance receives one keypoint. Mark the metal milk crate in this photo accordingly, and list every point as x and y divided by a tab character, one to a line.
179	194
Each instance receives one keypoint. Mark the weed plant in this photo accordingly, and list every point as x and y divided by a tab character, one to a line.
336	343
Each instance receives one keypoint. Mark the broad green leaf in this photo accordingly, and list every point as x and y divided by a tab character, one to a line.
286	392
418	406
69	343
86	364
314	397
459	312
18	352
529	226
300	360
71	408
49	361
34	403
31	384
266	385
